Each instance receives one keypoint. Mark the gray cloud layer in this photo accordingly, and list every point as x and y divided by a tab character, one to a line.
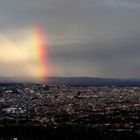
87	38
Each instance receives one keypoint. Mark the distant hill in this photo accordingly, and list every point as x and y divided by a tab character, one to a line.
76	81
84	81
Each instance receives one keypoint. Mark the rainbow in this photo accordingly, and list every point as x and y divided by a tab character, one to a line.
39	44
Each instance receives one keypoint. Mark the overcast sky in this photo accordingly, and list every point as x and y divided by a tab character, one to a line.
99	38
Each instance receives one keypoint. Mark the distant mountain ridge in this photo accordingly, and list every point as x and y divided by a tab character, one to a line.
76	81
85	81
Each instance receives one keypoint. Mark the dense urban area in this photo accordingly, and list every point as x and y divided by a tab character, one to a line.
105	110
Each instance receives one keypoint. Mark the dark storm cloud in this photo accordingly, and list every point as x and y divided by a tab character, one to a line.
116	58
87	38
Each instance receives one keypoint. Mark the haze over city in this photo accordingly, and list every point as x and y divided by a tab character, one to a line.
95	38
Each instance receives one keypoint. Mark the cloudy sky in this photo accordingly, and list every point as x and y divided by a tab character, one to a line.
99	38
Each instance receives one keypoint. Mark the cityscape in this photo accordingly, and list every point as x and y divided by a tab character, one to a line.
82	112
